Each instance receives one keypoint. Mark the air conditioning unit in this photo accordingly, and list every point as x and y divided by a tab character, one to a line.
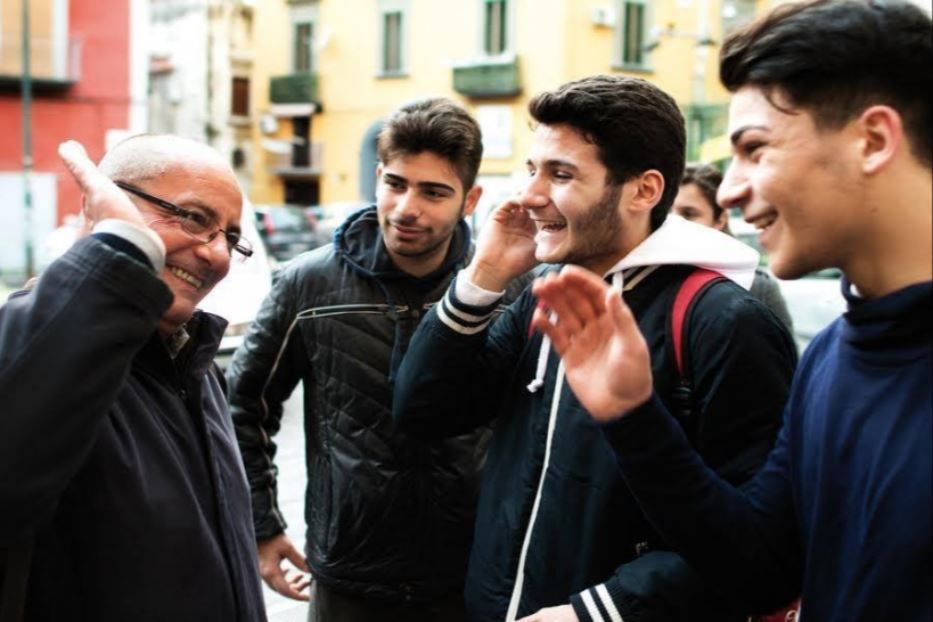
603	16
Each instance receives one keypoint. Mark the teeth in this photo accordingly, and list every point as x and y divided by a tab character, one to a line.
187	277
765	222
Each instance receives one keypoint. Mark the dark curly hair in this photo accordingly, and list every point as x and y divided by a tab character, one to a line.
634	125
437	125
835	58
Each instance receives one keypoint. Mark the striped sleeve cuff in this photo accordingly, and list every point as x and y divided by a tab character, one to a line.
462	316
595	605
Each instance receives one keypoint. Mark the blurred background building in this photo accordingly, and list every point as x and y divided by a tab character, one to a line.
294	92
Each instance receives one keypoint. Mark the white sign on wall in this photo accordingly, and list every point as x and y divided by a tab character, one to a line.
496	122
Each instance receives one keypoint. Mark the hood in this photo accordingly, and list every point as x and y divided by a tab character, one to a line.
358	242
679	241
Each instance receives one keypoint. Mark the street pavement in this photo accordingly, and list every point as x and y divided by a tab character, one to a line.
292	478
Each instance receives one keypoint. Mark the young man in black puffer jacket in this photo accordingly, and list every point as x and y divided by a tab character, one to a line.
390	516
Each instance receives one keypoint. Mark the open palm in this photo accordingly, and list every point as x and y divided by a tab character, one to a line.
605	357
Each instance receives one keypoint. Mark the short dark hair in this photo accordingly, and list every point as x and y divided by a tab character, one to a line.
707	179
635	126
835	58
437	125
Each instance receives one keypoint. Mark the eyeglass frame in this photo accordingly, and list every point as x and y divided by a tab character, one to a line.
241	246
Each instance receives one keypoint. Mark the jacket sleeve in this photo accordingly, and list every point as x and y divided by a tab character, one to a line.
457	364
66	347
742	360
746	541
659	585
265	370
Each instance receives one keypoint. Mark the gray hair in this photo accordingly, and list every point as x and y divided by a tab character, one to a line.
149	156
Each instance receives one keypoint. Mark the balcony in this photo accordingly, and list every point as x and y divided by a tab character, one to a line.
54	63
488	78
295	88
298	162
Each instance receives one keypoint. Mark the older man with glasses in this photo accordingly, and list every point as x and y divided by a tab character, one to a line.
121	484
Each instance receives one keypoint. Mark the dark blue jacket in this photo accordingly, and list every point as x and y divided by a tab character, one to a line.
553	501
119	461
842	508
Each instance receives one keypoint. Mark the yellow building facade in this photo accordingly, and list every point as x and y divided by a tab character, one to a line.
328	71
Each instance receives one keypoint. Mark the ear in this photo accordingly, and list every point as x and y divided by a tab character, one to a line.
378	173
881	132
722	223
649	186
472	198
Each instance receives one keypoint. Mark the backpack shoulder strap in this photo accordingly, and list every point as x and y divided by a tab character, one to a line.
688	292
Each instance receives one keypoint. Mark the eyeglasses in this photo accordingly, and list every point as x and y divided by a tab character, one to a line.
199	224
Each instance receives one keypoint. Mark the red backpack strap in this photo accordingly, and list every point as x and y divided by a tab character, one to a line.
688	291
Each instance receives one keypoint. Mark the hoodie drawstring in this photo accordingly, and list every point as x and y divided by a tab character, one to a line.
619	283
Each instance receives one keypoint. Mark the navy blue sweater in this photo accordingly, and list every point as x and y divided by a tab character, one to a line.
842	508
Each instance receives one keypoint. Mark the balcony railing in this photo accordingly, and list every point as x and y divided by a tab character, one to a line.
303	161
295	88
488	78
54	63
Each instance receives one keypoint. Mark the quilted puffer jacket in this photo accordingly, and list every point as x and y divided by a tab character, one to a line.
389	517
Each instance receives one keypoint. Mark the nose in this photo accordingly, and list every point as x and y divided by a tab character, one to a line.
407	206
735	189
535	194
215	252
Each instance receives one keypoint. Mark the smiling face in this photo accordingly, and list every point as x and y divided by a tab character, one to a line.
420	200
580	219
192	268
797	184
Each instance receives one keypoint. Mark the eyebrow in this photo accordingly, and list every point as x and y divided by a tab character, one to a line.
424	185
737	134
555	163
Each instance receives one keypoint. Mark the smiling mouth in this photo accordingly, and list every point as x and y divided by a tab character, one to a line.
187	277
550	225
763	222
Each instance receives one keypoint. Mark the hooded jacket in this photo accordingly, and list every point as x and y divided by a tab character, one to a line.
120	461
389	516
556	523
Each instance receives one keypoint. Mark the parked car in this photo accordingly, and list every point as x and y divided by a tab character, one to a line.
288	230
238	296
814	300
331	215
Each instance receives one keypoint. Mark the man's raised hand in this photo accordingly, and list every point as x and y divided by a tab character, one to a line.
102	198
605	357
505	248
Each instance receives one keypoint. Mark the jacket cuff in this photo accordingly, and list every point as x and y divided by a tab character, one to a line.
598	604
466	319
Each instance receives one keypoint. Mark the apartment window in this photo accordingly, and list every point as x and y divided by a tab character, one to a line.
393	17
239	100
303	55
633	20
495	27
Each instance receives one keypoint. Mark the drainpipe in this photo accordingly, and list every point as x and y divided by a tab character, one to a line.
27	144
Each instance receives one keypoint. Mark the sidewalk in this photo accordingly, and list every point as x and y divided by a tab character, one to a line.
290	458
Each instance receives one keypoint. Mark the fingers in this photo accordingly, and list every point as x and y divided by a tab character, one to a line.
271	554
296	558
102	198
289	585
